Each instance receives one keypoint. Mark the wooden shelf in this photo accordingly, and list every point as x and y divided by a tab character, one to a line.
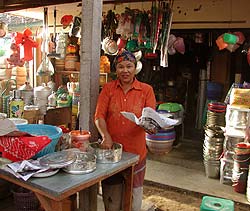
59	74
59	116
67	72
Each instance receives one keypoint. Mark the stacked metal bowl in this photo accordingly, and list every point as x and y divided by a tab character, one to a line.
212	150
216	114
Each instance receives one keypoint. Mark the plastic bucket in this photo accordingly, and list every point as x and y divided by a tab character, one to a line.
159	147
79	139
162	135
214	90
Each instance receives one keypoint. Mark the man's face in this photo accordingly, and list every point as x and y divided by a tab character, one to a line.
125	71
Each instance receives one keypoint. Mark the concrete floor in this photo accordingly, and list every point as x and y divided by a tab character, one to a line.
183	168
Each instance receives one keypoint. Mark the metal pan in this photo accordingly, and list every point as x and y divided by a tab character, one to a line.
112	155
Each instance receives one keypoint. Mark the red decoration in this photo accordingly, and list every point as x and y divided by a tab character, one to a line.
28	43
15	56
66	20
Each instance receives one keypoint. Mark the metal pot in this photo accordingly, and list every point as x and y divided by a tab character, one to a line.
85	163
112	155
42	92
27	93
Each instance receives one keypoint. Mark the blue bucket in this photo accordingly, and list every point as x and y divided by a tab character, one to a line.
53	132
214	90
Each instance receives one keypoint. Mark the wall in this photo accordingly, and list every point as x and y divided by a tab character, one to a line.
190	14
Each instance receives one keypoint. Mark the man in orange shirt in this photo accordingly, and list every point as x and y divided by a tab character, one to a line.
125	94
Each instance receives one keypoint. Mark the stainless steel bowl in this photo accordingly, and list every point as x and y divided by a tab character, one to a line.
84	163
112	155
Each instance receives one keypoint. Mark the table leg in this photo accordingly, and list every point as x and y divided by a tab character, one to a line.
52	205
88	198
127	198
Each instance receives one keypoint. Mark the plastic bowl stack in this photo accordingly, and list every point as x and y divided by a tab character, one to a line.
161	142
241	167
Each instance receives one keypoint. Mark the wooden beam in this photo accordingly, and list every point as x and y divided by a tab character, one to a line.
13	5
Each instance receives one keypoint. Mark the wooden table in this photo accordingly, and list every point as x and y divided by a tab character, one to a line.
54	192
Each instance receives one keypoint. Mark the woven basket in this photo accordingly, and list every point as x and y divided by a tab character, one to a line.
25	200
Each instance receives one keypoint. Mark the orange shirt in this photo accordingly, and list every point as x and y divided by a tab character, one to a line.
112	100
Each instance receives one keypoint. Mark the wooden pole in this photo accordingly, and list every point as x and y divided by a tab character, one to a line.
90	63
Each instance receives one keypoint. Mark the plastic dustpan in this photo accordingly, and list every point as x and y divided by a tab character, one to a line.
210	203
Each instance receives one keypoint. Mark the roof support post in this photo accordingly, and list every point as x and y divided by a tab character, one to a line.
90	63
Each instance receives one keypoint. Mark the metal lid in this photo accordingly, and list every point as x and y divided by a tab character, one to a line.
58	159
26	87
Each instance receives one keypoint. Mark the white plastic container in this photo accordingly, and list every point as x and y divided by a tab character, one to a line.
19	121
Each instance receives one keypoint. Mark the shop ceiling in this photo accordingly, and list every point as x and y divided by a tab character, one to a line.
14	13
13	5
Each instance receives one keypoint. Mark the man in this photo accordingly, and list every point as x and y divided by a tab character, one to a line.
125	94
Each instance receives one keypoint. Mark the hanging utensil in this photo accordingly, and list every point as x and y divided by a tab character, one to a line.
168	22
53	54
46	67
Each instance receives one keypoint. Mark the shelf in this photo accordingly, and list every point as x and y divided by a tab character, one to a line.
67	72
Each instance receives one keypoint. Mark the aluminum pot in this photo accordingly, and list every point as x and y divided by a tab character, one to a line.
212	168
112	155
85	163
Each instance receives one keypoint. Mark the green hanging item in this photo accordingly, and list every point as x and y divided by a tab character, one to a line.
137	25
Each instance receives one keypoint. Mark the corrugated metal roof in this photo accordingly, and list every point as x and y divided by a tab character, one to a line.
14	21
